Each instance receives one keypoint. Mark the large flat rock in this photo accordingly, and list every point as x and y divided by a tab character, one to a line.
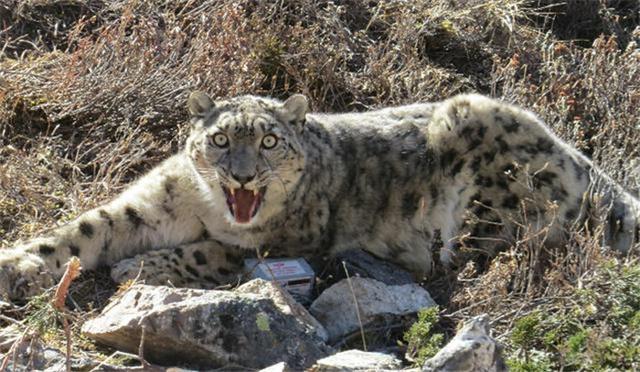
207	328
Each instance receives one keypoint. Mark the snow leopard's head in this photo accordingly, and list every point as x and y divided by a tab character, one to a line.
246	152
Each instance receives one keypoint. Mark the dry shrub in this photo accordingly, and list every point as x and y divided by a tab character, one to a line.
43	25
585	21
579	312
143	58
108	80
590	97
528	275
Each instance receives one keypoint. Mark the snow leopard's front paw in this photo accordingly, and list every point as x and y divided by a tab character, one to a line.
22	274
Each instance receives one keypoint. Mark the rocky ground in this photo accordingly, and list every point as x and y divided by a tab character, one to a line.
92	94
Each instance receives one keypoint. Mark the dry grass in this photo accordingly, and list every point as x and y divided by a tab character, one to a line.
92	94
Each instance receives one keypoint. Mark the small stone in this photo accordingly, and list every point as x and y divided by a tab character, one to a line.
34	355
472	349
336	310
357	360
279	367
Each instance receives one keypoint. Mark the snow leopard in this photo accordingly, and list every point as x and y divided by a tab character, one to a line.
415	185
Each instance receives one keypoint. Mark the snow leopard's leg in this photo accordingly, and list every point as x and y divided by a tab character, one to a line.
207	264
156	212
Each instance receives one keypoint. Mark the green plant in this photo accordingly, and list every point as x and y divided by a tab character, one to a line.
526	331
423	341
593	328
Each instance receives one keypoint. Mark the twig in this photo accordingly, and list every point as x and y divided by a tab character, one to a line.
72	272
462	310
355	301
103	365
32	344
13	351
135	280
145	365
67	335
11	320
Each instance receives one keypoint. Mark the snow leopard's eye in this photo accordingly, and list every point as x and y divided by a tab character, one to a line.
269	141
220	140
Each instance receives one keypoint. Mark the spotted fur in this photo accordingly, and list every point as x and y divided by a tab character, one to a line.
411	184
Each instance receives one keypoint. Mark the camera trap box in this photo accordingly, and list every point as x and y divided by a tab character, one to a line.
294	274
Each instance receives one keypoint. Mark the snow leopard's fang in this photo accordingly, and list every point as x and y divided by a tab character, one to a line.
243	204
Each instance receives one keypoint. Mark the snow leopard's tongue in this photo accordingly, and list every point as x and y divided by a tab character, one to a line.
245	204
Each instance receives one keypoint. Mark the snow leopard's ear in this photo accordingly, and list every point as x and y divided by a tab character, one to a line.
199	104
294	110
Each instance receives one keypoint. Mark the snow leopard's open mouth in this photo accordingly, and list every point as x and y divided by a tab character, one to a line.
243	204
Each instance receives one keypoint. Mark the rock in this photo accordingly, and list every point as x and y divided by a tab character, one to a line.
279	367
357	360
55	360
472	349
362	264
285	302
34	355
206	329
335	308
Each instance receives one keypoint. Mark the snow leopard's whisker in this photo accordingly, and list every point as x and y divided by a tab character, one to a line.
208	174
277	176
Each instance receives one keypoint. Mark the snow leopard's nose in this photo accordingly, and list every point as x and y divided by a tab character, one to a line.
244	178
